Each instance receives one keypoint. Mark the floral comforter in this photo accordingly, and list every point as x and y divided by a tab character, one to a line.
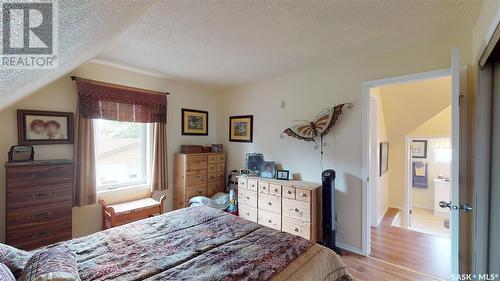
196	243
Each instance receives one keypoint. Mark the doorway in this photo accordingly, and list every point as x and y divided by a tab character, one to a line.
370	235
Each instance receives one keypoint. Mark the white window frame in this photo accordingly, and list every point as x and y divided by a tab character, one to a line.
147	158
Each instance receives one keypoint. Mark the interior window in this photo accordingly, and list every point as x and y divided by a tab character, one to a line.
122	157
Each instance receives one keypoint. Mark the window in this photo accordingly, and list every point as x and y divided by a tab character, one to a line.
122	154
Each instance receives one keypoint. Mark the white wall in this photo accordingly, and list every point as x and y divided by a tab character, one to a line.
61	96
308	92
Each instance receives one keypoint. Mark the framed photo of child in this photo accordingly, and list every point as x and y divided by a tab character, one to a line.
44	127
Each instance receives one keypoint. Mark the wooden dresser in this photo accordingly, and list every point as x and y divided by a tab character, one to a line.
201	174
290	206
38	203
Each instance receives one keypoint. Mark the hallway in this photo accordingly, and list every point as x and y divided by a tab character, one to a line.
420	252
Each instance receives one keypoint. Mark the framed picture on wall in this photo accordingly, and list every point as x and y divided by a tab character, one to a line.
44	127
241	128
419	149
384	158
194	122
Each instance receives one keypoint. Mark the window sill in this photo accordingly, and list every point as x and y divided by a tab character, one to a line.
124	194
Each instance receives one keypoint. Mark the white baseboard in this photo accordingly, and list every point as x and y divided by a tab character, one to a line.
350	249
422	207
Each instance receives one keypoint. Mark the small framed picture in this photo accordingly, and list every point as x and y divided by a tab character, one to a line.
268	170
283	175
44	127
241	128
244	172
254	163
419	149
194	122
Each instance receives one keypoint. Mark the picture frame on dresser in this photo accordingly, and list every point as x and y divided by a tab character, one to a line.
283	175
254	163
44	127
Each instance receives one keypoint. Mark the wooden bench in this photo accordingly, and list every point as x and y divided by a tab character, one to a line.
123	213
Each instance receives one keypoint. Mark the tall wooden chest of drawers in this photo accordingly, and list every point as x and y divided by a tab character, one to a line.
290	206
39	200
200	174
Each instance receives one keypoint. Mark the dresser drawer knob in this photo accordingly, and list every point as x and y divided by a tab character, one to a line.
40	195
270	204
40	235
263	187
303	195
289	192
296	210
248	213
296	229
270	221
248	198
275	190
42	215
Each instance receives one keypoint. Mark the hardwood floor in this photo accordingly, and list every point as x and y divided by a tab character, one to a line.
417	251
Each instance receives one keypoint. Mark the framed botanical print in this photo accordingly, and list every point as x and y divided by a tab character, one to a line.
194	122
241	128
419	149
44	127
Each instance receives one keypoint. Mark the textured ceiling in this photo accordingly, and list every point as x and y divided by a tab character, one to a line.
85	28
225	43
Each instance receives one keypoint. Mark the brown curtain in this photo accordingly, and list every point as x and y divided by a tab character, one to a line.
99	100
159	179
84	162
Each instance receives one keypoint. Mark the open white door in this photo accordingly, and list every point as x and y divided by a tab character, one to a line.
455	167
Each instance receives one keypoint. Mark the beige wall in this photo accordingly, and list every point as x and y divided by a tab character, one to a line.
406	107
308	92
61	96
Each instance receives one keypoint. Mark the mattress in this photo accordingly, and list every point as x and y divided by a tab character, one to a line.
201	243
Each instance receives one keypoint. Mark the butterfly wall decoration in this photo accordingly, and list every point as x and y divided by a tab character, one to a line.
315	131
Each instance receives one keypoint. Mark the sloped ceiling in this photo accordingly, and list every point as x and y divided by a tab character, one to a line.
226	43
85	29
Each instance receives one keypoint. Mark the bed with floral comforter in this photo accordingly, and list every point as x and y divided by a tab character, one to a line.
201	243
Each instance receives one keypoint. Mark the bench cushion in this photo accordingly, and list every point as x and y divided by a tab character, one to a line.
134	206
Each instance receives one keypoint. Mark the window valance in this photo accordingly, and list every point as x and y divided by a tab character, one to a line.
100	100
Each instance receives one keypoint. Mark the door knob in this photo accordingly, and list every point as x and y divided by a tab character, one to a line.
444	204
462	207
466	208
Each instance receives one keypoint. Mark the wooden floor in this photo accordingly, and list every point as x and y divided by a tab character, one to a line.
401	254
417	251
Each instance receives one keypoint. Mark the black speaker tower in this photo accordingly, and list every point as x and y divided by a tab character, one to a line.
328	210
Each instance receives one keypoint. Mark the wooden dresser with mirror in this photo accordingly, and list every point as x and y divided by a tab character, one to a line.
197	174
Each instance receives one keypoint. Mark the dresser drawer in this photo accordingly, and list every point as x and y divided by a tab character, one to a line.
270	203
242	182
196	172
196	179
212	158
220	176
43	214
196	162
297	209
247	197
212	177
221	158
296	227
263	187
303	194
289	192
220	167
247	212
38	195
221	187
32	237
252	185
269	219
212	188
20	177
275	189
212	168
200	190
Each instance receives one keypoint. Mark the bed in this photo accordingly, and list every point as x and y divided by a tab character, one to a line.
201	243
